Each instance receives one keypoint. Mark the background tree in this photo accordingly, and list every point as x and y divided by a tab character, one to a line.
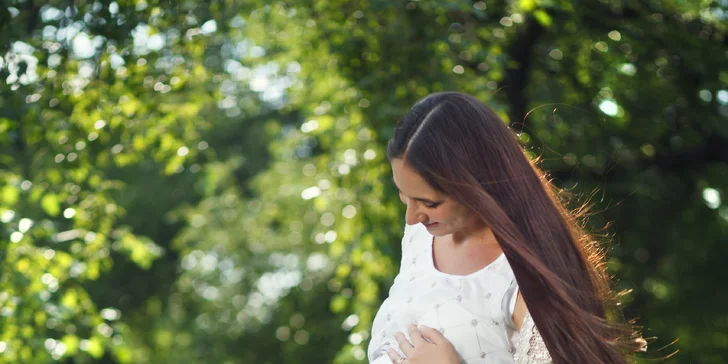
184	182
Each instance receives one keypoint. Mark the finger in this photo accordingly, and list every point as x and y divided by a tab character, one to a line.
416	336
403	343
393	356
433	335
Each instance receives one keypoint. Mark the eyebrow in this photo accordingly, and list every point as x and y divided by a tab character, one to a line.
425	200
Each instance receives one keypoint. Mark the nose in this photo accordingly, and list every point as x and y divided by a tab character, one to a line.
413	216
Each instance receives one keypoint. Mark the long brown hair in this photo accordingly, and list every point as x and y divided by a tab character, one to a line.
464	150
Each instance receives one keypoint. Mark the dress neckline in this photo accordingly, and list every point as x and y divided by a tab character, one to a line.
431	261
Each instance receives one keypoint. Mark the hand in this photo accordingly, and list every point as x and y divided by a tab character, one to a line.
428	346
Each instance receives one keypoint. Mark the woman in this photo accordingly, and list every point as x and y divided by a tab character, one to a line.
494	268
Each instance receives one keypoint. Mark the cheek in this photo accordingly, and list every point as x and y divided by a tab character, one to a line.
449	216
439	215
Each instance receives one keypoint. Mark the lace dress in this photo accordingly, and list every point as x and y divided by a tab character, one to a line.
530	348
474	312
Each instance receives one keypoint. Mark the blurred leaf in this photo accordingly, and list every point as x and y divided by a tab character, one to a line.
542	17
50	204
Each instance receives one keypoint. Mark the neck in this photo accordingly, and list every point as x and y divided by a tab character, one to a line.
481	234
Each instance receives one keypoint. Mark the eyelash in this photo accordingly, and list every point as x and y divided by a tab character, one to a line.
431	206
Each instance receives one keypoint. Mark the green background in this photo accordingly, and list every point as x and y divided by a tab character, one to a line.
187	182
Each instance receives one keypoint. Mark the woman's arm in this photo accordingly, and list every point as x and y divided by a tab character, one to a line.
530	348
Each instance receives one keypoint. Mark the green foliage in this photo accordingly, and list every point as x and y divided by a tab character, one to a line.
187	182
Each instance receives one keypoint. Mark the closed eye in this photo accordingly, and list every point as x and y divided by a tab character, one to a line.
427	204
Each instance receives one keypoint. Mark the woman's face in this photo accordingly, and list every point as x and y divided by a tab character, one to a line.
438	212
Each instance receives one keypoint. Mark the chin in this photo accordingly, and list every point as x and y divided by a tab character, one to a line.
437	230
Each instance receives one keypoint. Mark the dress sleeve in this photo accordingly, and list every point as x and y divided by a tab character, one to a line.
406	237
405	246
530	348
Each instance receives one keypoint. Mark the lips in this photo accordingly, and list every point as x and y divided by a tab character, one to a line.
431	225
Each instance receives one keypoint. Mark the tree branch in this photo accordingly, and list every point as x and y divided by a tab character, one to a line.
518	68
715	149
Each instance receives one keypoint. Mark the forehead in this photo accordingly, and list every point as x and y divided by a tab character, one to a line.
408	180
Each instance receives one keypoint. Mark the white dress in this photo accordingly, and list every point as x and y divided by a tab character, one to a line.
474	312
